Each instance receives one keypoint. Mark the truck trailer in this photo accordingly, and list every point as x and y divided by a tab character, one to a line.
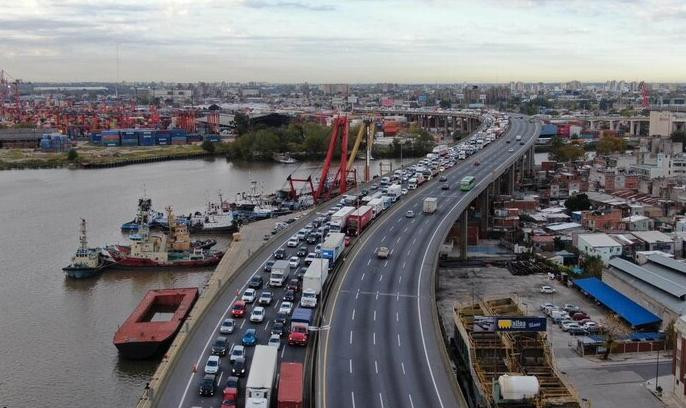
262	377
315	276
358	219
333	246
290	385
339	218
430	205
279	273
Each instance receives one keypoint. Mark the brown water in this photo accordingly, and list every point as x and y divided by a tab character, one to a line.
55	333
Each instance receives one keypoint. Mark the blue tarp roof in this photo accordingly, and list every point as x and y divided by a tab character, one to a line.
626	308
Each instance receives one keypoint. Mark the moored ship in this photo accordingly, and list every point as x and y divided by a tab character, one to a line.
151	327
86	262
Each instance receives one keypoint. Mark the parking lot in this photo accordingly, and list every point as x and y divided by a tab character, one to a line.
620	382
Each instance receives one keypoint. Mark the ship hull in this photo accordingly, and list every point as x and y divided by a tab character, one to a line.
76	272
143	350
122	260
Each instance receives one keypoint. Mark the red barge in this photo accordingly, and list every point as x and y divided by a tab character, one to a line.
152	326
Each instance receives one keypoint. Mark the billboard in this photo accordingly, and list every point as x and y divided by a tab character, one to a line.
508	324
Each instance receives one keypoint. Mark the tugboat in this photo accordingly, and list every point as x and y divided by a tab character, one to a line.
215	220
158	249
144	215
87	262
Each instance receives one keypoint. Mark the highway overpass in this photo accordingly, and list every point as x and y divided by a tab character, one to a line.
384	346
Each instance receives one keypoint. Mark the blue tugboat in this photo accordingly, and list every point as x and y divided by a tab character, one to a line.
145	215
87	262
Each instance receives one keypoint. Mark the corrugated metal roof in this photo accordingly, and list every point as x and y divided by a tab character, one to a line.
668	262
652	278
599	240
652	236
629	310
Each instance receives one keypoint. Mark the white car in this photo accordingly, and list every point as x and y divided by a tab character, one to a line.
546	305
548	289
310	257
227	326
286	307
292	242
249	295
409	214
257	315
294	262
237	351
274	341
212	366
403	191
570	325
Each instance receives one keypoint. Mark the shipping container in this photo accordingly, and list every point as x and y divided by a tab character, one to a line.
262	376
291	381
163	137
213	138
358	219
96	138
194	137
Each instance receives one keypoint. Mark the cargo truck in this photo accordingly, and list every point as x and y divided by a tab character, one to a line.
395	191
333	247
387	201
290	385
376	206
262	377
315	278
339	218
279	273
430	205
518	138
300	326
358	219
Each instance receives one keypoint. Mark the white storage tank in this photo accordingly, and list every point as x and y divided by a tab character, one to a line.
518	387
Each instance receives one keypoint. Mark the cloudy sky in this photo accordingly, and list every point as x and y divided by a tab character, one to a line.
344	40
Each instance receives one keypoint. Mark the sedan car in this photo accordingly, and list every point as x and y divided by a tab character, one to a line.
280	253
220	346
249	295
278	328
274	341
404	191
212	365
445	187
409	214
312	238
302	251
548	289
249	337
257	315
238	368
238	308
294	262
443	178
294	285
268	266
281	317
292	242
237	351
383	253
266	298
256	282
286	308
477	163
289	296
510	150
227	326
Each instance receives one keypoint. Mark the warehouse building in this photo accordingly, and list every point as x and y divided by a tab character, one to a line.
22	138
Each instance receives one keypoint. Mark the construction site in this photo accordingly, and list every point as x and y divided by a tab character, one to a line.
506	368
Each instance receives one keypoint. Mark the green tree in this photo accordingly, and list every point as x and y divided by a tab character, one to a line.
578	202
72	155
610	144
593	266
208	146
445	104
242	123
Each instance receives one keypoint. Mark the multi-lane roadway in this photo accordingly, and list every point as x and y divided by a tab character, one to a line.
382	348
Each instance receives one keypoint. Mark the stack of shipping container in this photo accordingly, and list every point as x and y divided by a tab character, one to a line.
55	142
148	137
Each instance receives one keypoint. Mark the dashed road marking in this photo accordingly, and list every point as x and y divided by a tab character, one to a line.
376	367
351	365
353	314
351	337
402	365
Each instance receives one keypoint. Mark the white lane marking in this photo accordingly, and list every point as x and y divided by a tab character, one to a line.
383	239
221	374
369	261
411	403
398	339
402	365
397	316
414	240
353	314
376	367
391	229
266	326
404	264
392	249
352	395
242	323
405	230
377	295
409	251
283	350
358	293
374	338
399	221
375	315
380	277
351	365
400	279
276	305
397	297
363	273
351	337
385	264
381	400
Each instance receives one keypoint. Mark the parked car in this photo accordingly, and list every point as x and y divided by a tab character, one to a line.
227	326
580	316
570	325
548	289
543	306
570	308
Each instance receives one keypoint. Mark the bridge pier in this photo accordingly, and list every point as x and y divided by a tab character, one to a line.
463	233
510	174
484	210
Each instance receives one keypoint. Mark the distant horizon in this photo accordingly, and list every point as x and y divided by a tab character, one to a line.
356	41
130	82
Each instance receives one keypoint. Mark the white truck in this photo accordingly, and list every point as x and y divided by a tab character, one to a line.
333	247
338	219
262	377
395	191
412	183
313	282
430	205
377	206
279	273
518	138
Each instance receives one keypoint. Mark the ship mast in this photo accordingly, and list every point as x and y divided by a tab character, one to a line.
82	236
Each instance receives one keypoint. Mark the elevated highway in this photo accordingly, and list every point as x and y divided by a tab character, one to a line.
384	345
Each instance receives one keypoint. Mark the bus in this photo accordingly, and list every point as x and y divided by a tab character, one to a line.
467	183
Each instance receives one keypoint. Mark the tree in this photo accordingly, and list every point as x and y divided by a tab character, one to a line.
578	202
445	104
242	123
614	329
610	144
565	152
593	266
72	155
208	146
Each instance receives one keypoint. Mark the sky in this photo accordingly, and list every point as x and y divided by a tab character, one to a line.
349	41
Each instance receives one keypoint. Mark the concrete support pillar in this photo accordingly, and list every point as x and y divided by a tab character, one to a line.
484	212
463	233
510	180
445	123
532	162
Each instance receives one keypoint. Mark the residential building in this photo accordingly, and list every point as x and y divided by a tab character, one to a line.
679	362
655	241
600	245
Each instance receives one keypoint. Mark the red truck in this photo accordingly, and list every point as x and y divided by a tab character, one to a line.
358	219
290	385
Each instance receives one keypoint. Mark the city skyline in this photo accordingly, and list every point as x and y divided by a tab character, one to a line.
278	41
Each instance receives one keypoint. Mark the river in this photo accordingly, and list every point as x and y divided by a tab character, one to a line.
56	333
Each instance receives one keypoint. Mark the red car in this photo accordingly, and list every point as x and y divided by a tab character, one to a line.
578	316
230	398
347	240
238	309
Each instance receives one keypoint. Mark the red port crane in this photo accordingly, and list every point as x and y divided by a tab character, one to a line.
340	129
